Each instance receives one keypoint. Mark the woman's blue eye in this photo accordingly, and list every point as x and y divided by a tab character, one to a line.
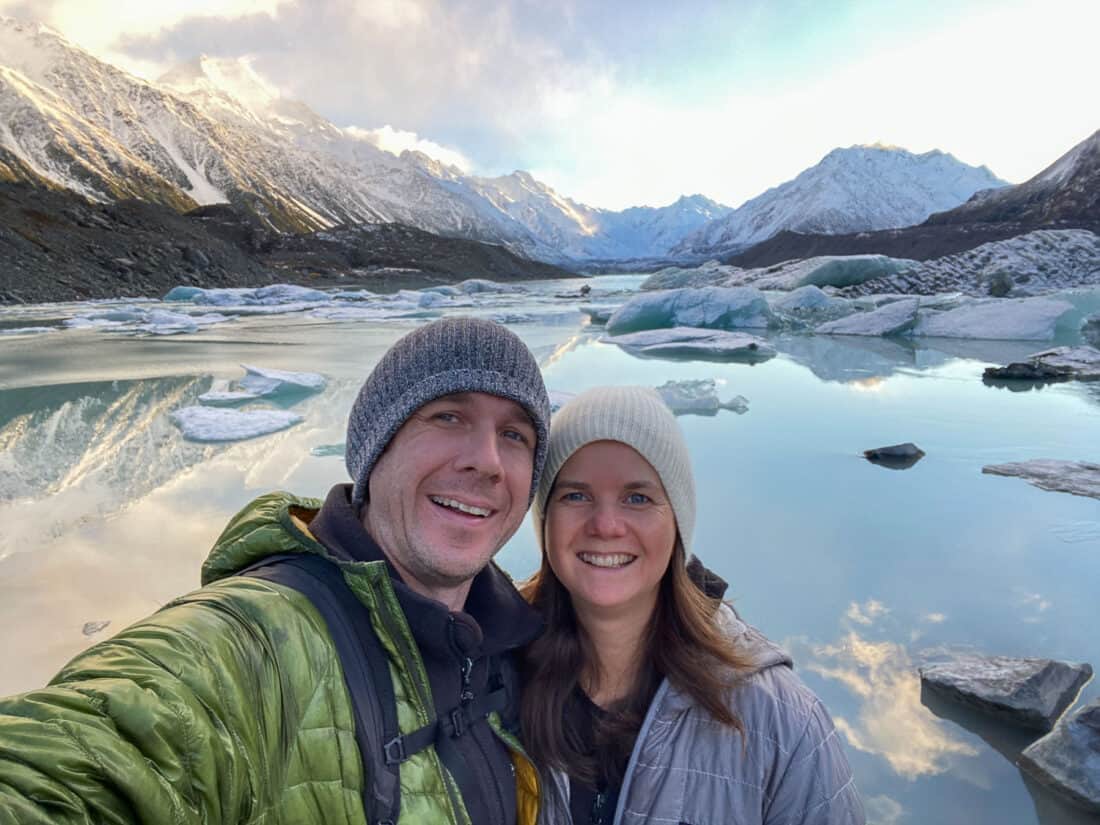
638	498
574	496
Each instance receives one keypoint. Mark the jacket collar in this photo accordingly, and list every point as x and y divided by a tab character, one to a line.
495	618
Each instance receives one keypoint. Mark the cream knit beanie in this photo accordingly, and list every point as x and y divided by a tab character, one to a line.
637	417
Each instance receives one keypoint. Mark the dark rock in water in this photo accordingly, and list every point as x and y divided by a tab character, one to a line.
1068	759
1000	284
896	456
92	628
1026	371
1031	693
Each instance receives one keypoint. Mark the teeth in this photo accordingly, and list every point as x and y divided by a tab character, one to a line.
606	559
458	505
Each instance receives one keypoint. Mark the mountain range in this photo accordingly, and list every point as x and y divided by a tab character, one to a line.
211	131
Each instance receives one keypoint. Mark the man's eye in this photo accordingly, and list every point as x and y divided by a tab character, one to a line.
516	435
638	498
445	416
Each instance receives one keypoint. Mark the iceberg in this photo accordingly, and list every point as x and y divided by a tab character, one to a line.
472	286
691	342
274	295
328	450
707	307
598	315
423	300
711	273
1079	478
890	319
140	319
825	270
811	305
215	424
259	382
699	397
1013	319
27	330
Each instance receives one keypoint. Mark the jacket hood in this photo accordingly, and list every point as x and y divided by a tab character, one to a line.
764	652
273	523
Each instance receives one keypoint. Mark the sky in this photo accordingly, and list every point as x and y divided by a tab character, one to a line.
619	104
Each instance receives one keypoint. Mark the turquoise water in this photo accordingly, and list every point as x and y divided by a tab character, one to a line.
863	572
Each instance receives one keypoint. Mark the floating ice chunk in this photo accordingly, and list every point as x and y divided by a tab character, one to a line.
690	342
598	315
810	304
217	424
266	382
423	300
710	273
559	398
699	397
890	319
329	450
1079	478
472	286
162	322
226	398
825	270
443	289
274	295
707	307
27	330
1013	319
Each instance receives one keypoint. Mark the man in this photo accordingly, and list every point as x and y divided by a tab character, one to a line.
264	696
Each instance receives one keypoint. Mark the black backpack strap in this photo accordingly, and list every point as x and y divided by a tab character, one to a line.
365	667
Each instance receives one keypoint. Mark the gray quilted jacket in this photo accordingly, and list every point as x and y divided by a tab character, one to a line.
687	768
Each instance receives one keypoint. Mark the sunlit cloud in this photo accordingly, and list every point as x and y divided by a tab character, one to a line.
934	618
867	612
396	141
891	721
882	810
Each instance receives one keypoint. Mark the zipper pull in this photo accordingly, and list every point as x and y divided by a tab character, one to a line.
467	691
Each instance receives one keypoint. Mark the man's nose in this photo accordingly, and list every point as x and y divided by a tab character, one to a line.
481	452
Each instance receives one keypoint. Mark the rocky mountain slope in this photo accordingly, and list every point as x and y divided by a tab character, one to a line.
56	245
857	189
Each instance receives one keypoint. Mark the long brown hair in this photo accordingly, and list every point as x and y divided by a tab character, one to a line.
681	642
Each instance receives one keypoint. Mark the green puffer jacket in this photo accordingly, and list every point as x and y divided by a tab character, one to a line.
226	706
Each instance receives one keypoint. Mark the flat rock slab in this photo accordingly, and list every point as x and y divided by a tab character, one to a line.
1058	364
1068	758
891	319
1031	693
1079	478
689	342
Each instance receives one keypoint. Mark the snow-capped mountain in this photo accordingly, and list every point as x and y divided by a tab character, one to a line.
212	131
857	189
1067	191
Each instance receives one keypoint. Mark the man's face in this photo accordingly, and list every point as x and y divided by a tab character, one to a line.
451	488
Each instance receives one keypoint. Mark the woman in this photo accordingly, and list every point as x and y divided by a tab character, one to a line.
647	699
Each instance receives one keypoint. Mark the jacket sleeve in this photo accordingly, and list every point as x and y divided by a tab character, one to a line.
816	786
178	719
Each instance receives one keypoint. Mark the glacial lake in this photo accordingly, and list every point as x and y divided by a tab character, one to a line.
864	573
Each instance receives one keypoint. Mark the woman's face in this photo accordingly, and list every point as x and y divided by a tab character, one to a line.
610	530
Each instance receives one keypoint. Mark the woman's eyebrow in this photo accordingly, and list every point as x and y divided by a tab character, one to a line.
575	485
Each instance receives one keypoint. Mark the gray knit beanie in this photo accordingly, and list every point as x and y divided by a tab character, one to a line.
452	355
637	417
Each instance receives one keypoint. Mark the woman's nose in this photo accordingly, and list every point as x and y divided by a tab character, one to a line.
606	521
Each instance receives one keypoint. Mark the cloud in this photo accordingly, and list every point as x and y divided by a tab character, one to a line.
866	613
397	141
891	721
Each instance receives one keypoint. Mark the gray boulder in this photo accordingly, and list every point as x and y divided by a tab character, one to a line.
895	456
1068	758
1031	693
